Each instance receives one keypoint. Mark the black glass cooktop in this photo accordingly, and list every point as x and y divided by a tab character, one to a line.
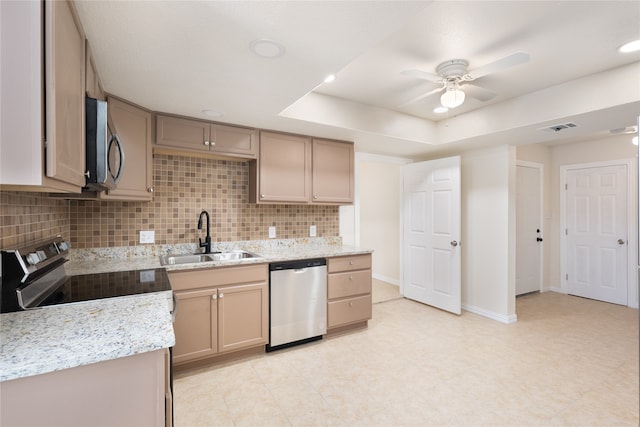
88	287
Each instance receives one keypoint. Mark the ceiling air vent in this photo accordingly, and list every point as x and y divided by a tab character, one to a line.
558	128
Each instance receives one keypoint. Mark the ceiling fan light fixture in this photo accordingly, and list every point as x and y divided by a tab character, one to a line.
452	98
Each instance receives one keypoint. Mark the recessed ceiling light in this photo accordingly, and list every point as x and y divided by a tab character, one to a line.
267	48
330	78
633	46
212	113
440	110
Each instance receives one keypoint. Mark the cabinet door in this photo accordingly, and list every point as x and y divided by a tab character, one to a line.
332	172
234	141
196	325
174	132
243	316
284	171
65	92
133	126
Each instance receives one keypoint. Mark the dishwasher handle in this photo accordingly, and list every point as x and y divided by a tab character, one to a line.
298	264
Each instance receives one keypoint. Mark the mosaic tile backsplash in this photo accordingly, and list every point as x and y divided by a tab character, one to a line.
184	186
29	217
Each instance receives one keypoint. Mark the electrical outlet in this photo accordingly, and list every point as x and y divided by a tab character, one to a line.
312	231
147	236
272	232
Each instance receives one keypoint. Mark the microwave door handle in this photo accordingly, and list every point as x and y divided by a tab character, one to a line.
115	139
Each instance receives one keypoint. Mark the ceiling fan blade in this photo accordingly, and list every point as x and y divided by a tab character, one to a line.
478	92
422	75
421	97
499	65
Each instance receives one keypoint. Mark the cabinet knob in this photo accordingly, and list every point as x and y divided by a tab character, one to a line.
262	196
213	143
350	262
207	143
214	296
350	277
315	196
221	295
150	190
350	304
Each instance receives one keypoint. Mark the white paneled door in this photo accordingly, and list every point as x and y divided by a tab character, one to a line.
596	233
528	228
431	233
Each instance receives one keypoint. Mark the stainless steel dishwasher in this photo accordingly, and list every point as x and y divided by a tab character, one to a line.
297	302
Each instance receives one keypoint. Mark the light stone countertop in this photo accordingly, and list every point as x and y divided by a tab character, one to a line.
64	336
83	261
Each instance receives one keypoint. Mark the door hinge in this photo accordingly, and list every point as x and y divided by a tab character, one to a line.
566	186
566	231
566	277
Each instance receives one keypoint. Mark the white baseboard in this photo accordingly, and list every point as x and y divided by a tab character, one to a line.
490	314
386	279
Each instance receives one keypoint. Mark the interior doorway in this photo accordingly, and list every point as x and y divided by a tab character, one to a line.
529	240
595	230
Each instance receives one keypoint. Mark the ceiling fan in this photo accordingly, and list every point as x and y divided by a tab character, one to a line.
453	76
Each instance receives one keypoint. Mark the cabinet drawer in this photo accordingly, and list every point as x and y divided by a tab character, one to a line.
347	263
212	277
349	283
349	310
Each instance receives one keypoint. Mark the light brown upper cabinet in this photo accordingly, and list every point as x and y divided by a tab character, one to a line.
282	173
133	126
332	172
29	81
93	84
196	136
297	169
65	92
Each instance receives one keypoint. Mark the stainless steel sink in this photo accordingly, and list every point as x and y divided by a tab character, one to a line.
195	258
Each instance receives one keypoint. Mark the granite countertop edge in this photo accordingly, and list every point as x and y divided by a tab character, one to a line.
49	339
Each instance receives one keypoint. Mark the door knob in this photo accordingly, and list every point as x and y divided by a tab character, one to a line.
621	242
454	243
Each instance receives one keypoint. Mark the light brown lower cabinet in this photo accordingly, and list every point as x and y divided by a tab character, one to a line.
348	290
128	391
220	310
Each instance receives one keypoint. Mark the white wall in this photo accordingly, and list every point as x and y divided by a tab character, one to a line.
488	232
379	201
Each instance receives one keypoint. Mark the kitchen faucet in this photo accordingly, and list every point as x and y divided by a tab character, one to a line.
207	240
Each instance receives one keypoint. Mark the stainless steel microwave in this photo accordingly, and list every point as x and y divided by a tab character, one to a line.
104	153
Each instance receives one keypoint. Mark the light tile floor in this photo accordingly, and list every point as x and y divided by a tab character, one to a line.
566	362
383	291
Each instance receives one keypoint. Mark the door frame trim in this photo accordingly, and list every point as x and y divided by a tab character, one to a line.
632	200
540	167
